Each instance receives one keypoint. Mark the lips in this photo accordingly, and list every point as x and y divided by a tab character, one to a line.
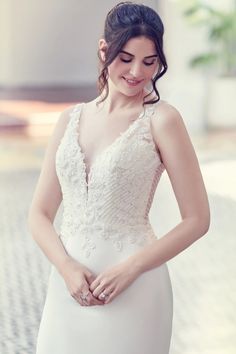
131	81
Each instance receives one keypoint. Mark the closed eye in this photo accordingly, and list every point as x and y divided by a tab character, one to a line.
148	64
125	61
129	60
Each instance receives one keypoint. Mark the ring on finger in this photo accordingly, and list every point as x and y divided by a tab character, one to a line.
103	296
83	296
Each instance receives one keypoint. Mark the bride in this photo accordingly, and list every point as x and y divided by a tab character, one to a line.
109	290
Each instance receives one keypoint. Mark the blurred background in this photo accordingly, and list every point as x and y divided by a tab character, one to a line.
48	61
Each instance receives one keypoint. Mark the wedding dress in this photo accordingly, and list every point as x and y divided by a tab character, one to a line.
105	220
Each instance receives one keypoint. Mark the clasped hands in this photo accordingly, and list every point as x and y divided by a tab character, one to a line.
111	282
89	289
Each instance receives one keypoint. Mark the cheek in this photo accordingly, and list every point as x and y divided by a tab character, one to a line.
151	72
157	68
115	68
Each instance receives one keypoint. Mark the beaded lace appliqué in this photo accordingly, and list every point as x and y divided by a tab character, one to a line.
115	201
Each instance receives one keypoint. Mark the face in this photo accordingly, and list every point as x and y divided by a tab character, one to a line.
134	66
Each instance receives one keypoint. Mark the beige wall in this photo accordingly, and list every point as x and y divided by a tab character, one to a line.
54	42
46	42
182	86
50	42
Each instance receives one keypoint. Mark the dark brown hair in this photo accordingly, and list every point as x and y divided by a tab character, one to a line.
128	20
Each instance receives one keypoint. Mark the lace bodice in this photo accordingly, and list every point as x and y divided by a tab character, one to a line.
114	199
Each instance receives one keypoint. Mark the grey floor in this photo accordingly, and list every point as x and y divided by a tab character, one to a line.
203	276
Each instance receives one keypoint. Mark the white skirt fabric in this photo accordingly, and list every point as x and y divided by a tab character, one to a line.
137	321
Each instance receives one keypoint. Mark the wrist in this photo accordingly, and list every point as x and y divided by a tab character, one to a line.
63	264
134	265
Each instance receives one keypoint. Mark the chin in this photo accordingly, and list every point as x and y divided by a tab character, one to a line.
130	93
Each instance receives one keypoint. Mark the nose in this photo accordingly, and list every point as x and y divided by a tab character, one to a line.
136	70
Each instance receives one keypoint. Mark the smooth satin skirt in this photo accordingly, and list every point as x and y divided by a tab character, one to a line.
137	321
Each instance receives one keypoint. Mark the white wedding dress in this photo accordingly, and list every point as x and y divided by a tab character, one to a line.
105	220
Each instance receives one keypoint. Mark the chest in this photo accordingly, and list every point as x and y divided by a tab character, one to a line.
131	154
96	132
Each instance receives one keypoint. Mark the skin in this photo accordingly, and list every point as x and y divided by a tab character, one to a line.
123	105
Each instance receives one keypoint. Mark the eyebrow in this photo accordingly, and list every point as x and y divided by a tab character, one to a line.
150	56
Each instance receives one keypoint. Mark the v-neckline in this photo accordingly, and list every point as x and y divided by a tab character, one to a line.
122	135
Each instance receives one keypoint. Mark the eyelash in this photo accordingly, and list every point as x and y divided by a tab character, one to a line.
128	61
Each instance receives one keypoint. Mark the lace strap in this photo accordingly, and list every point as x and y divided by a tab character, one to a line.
149	110
76	110
74	115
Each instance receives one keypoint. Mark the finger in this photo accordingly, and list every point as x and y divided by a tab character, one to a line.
95	284
81	293
90	299
111	296
95	301
78	299
103	294
98	291
90	277
75	295
107	291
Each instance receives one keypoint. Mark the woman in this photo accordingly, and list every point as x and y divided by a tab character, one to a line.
109	290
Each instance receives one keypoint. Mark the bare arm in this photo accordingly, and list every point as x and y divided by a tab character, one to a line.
47	199
183	169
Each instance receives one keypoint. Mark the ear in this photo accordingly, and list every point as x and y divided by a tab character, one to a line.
102	44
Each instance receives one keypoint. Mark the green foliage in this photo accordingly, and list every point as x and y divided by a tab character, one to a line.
221	30
204	59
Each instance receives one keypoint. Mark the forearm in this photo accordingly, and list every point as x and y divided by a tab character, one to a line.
167	247
45	235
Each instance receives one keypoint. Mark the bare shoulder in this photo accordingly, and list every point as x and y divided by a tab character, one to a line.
61	124
65	116
165	115
165	122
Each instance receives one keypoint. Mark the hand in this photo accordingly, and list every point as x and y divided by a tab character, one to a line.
78	278
113	281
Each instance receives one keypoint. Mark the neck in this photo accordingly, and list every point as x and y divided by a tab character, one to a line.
118	101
